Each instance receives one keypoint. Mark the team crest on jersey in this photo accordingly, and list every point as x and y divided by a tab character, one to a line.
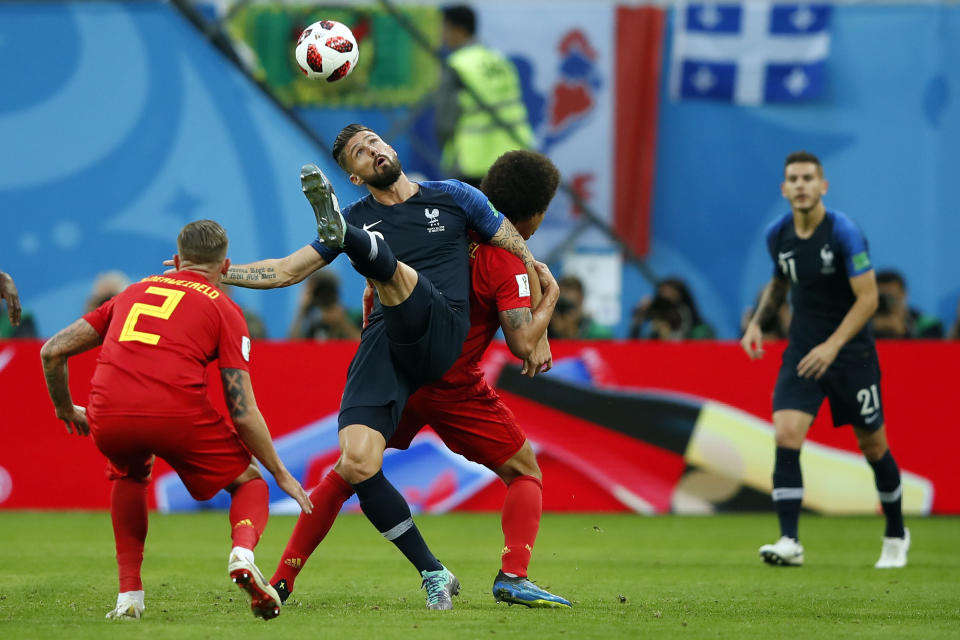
826	259
433	220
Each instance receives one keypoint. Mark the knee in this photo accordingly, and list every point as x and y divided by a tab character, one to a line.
873	451
356	466
523	463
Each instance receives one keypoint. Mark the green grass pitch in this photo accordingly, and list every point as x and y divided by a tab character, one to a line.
628	577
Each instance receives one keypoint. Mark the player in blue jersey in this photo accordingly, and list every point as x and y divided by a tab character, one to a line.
420	316
821	257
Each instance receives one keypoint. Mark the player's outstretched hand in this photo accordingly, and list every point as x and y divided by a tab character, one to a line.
76	420
292	488
752	341
169	263
816	363
8	292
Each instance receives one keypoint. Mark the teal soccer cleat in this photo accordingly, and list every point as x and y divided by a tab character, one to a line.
523	591
440	585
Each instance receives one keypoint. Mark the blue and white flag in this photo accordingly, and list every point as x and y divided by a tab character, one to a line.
749	52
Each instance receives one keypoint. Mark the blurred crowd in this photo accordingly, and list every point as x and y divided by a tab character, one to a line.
670	313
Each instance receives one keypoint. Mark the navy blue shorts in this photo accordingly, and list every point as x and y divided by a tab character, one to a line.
851	384
385	373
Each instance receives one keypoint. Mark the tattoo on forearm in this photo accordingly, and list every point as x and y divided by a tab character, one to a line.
233	391
771	302
241	273
512	241
76	338
519	317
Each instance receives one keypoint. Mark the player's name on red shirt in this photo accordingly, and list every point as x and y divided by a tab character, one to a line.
209	290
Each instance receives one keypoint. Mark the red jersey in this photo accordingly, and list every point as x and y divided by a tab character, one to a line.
499	282
159	335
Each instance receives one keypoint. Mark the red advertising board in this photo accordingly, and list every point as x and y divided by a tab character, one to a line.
619	426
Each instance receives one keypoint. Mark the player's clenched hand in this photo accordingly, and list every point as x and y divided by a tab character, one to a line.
8	292
752	341
540	361
816	363
76	419
292	488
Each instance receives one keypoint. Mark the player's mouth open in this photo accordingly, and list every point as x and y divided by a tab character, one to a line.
381	161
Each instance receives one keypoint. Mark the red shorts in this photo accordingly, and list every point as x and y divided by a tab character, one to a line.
203	449
480	428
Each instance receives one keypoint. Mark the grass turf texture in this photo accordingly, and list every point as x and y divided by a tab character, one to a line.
628	577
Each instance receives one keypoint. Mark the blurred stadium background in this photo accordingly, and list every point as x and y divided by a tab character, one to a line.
121	121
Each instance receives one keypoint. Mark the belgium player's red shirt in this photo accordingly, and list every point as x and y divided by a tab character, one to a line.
159	335
499	282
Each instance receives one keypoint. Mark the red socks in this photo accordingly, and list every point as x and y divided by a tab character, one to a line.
249	510
328	497
128	510
520	521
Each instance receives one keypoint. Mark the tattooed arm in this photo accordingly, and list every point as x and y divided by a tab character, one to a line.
252	429
275	272
522	328
76	338
772	298
507	237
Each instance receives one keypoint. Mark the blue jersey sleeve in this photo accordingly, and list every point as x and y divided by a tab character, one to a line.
853	243
482	216
329	253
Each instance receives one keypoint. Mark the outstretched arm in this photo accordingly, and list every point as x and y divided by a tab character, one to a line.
275	272
252	429
76	338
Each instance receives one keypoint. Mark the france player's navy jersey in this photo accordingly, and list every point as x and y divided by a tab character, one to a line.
428	232
819	269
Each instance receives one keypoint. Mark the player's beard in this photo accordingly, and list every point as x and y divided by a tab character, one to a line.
811	204
386	175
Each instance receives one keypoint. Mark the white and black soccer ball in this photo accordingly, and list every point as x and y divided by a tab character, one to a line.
327	51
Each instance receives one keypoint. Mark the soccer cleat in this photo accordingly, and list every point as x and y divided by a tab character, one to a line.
128	608
893	555
319	192
282	591
518	590
785	552
440	585
264	600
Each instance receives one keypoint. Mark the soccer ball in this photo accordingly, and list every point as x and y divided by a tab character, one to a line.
327	51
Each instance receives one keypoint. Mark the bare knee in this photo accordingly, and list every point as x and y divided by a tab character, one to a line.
791	428
250	473
873	444
522	463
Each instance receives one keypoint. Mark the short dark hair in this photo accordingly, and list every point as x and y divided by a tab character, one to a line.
460	15
891	276
521	184
340	144
202	242
803	156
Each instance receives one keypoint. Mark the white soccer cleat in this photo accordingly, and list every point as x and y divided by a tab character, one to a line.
264	599
785	552
129	606
894	552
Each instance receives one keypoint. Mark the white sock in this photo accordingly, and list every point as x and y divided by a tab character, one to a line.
126	596
246	554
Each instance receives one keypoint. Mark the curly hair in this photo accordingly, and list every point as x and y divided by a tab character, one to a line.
521	184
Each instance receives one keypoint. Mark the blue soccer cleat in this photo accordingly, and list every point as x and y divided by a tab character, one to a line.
522	591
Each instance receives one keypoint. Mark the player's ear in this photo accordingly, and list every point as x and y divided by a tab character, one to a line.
356	180
225	266
783	190
826	185
176	261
